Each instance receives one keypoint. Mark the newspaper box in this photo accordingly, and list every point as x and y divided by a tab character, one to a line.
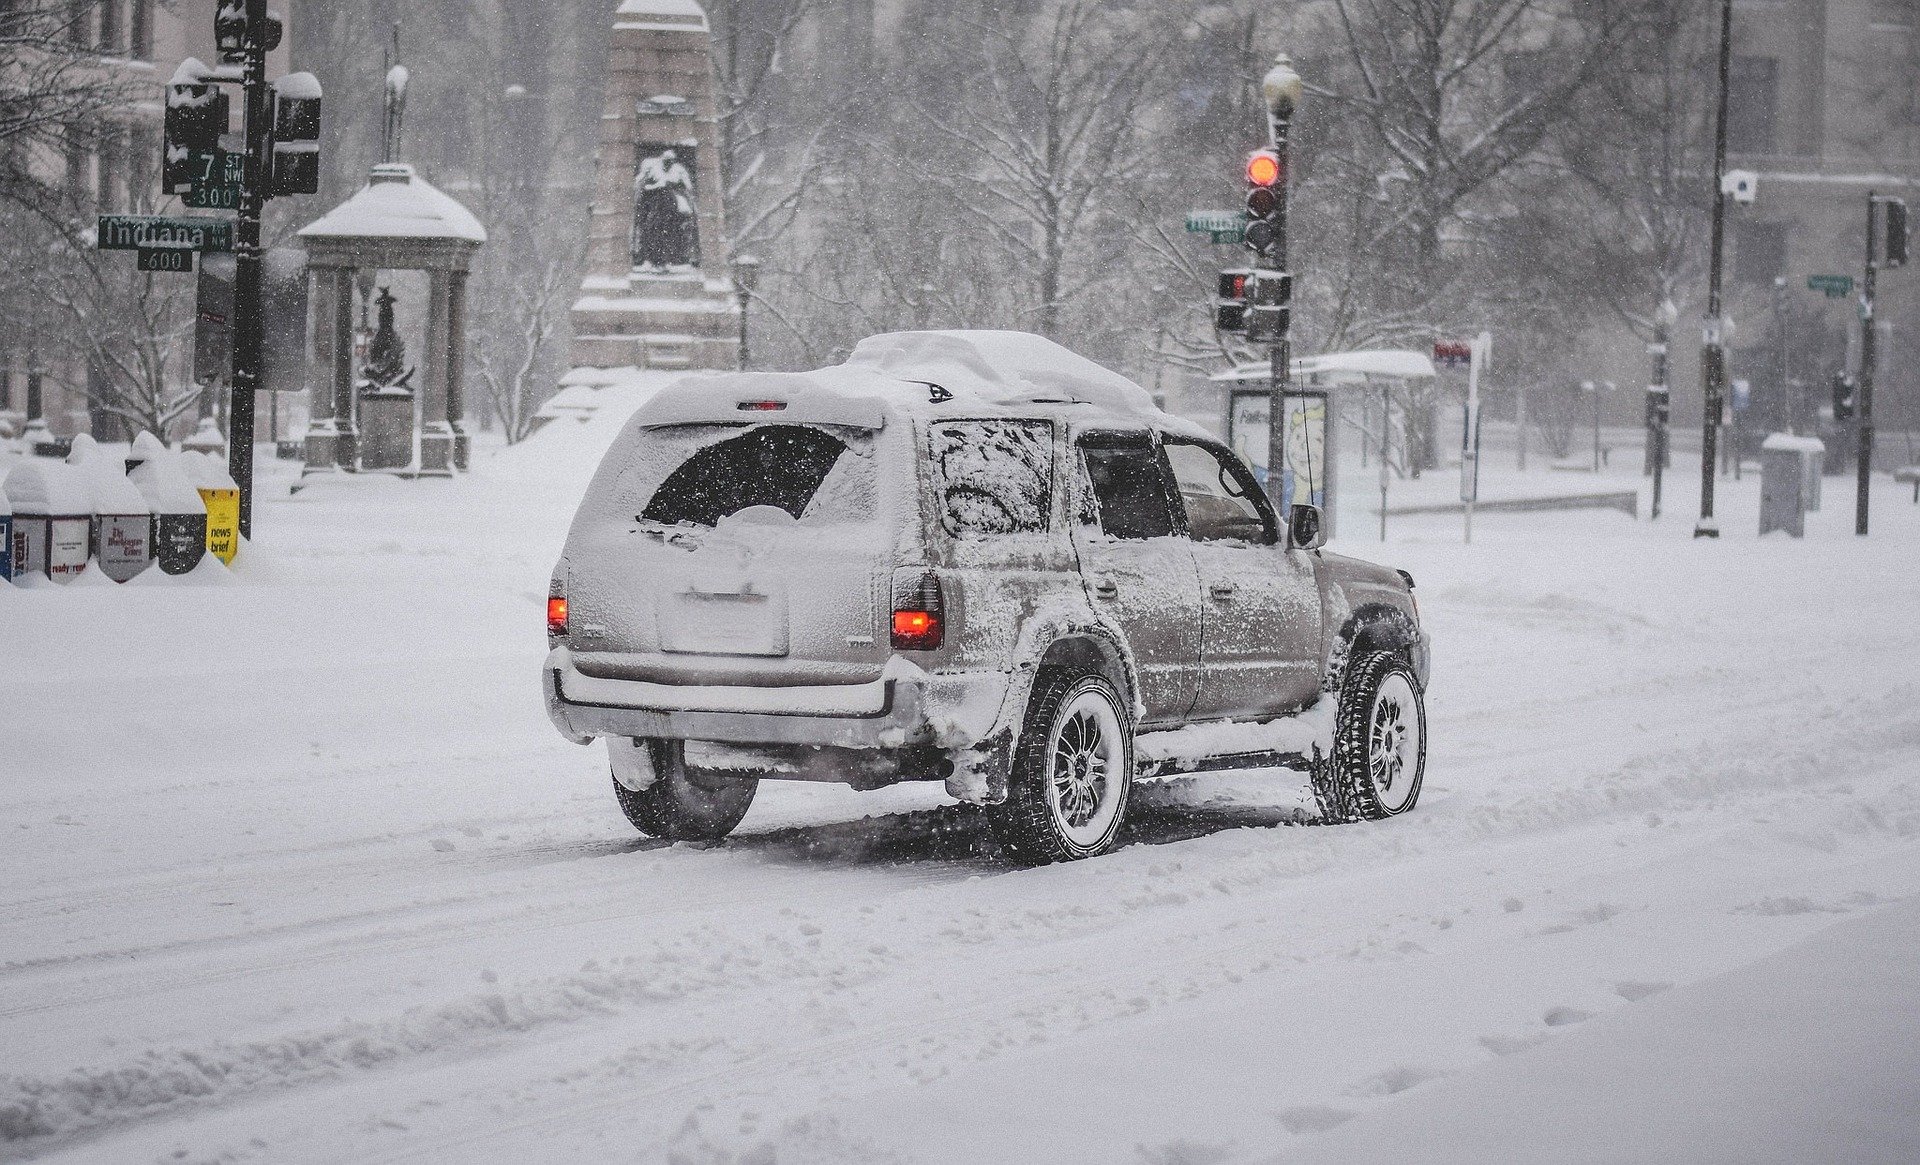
1789	482
179	516
122	532
52	518
222	499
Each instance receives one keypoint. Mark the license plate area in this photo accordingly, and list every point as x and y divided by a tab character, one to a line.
705	623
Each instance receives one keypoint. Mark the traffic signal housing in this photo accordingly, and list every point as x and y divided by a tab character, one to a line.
1266	175
196	117
233	38
1844	388
1230	306
296	135
1896	228
1272	307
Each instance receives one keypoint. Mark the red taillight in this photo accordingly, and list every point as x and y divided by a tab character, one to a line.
556	615
919	613
761	406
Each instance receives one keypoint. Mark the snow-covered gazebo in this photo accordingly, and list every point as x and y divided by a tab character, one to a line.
396	222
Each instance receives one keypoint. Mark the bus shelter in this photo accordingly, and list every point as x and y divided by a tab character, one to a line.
1321	387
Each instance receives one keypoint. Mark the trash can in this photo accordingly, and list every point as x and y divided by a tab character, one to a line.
52	519
122	533
1789	482
179	516
222	499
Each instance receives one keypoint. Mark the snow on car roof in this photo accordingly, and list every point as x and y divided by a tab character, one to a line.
945	373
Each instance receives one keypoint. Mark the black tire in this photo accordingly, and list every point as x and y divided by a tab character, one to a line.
1350	785
1079	816
683	804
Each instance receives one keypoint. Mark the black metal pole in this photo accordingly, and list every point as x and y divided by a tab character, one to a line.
745	295
1659	403
1713	353
248	327
1280	353
1863	405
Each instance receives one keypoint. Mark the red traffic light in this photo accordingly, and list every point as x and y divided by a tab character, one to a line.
1264	169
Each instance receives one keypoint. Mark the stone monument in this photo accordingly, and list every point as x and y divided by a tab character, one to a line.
656	293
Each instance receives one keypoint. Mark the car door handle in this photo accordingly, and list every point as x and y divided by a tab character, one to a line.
1104	589
1223	590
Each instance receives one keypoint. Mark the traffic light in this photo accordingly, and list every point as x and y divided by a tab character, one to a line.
1230	308
1266	174
296	135
196	117
1896	245
1844	387
233	38
1272	310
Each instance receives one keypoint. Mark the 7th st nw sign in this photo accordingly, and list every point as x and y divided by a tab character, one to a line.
136	232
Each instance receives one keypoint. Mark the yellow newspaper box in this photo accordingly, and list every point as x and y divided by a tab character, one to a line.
222	498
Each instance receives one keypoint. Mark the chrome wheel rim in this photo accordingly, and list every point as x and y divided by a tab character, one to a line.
1393	743
1085	780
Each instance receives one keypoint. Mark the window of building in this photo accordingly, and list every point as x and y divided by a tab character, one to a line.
6	390
80	23
112	26
79	164
1753	98
1759	252
140	30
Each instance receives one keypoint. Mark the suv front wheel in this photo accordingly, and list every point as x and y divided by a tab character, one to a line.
1071	774
1379	743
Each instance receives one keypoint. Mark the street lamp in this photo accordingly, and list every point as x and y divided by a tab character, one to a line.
1713	349
1659	400
1281	88
746	272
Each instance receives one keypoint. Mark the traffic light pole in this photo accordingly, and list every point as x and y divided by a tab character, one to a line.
1863	403
1280	353
1713	352
248	323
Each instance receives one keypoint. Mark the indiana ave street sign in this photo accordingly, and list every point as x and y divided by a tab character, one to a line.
131	232
1836	286
1225	226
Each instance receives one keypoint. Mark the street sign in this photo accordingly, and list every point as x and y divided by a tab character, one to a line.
132	232
1452	353
165	259
1221	226
216	181
1835	286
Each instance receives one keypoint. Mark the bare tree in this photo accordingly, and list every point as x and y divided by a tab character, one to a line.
513	357
51	88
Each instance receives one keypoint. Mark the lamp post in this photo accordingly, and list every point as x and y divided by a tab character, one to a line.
1281	88
1659	400
1713	349
746	272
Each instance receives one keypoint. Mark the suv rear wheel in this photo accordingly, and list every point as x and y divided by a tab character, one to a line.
1379	743
1071	774
685	804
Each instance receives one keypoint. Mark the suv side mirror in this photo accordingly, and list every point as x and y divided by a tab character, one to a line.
1304	528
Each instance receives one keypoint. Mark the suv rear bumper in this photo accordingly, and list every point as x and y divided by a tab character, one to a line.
889	713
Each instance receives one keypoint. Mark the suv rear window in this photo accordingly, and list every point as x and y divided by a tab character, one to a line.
773	465
993	477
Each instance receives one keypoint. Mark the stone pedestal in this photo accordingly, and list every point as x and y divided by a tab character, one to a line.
645	302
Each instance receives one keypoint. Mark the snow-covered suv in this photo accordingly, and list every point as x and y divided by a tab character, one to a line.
972	557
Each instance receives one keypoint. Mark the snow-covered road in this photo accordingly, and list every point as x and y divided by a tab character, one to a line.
294	870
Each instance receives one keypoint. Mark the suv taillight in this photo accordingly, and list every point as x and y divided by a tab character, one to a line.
919	613
556	615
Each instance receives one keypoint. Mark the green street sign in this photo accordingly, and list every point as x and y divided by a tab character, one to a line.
166	259
1235	236
131	232
1218	222
1836	286
216	181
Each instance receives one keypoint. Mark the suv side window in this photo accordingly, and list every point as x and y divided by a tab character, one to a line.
1129	485
993	477
1222	500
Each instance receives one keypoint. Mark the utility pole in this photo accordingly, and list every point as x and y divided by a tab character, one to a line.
1713	350
1885	247
1659	400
